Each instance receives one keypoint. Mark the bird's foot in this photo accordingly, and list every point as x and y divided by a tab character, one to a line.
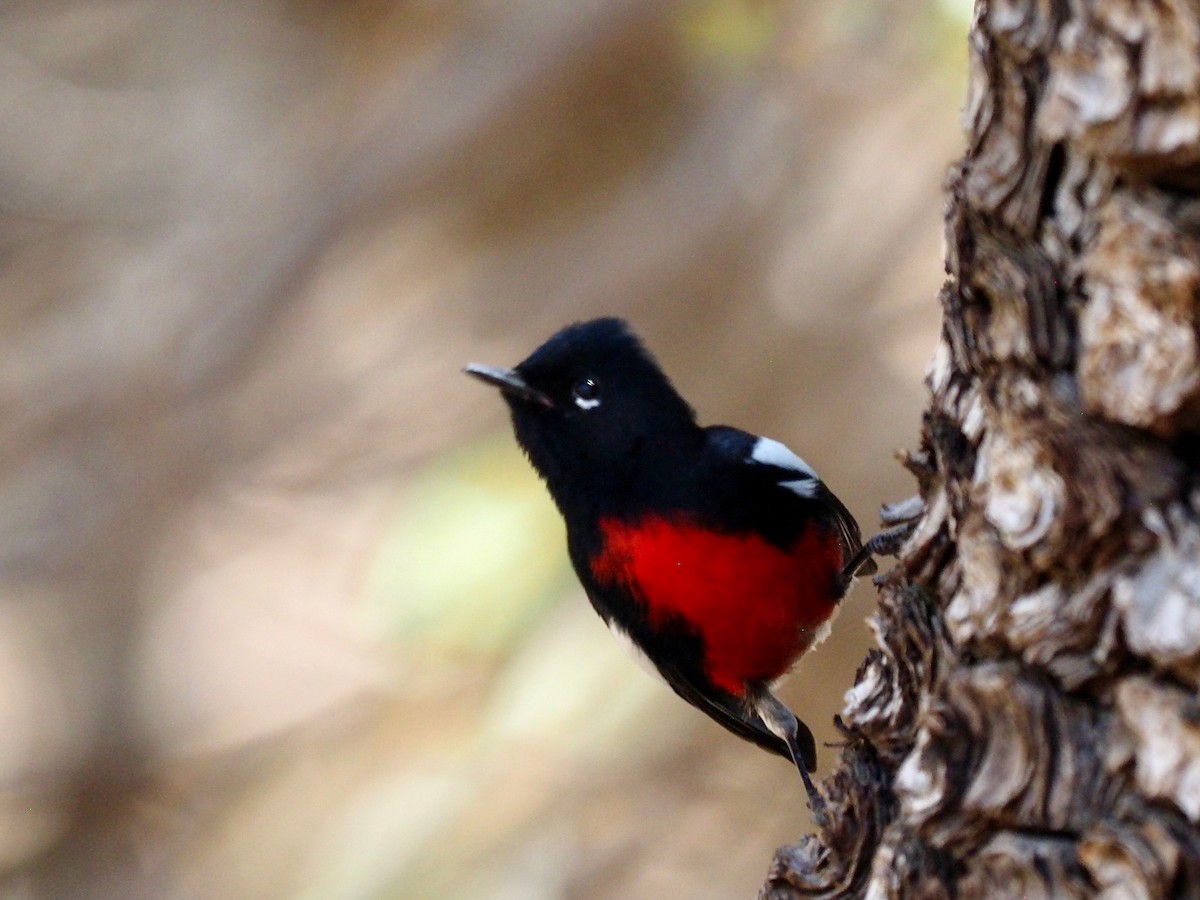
816	803
886	543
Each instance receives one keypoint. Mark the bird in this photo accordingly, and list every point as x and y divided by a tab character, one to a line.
715	556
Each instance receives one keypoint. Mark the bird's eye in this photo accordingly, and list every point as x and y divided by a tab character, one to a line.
586	393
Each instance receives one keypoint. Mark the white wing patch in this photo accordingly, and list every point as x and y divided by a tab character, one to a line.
630	646
773	453
806	488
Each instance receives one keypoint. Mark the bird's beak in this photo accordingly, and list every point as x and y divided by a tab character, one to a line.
509	382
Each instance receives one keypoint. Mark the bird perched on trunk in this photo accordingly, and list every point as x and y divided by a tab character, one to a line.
716	556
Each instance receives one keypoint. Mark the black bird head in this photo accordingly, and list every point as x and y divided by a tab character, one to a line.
593	400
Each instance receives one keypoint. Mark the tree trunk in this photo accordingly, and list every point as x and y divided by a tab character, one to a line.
1029	726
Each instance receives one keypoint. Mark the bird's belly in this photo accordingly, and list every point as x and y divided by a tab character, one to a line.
755	607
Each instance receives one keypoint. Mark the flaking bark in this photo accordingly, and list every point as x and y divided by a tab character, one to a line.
1029	724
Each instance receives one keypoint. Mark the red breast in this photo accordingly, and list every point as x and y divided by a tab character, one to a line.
755	606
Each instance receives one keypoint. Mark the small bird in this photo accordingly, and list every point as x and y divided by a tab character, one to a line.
715	556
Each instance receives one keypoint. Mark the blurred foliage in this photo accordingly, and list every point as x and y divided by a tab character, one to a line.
466	567
737	32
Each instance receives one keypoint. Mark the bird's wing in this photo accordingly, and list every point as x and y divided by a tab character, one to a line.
733	714
847	528
768	459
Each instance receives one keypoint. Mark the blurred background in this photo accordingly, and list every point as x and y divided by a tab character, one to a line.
283	612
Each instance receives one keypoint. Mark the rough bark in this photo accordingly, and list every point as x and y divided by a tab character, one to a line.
1029	724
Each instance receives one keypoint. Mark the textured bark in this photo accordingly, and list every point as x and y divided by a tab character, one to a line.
1029	726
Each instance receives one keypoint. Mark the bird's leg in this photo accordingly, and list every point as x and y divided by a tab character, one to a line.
886	543
784	725
816	802
902	518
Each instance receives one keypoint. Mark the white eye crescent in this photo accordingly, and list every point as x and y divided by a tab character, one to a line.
586	393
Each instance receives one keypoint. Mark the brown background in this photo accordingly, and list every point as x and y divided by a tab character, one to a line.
283	611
